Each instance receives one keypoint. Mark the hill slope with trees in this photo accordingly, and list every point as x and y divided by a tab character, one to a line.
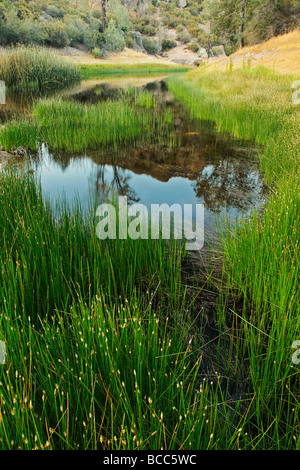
203	27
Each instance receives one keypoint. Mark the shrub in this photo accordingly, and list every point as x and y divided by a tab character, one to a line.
194	31
114	37
145	25
57	35
98	53
120	13
168	44
97	14
129	41
150	45
55	12
184	37
93	39
193	46
14	31
75	29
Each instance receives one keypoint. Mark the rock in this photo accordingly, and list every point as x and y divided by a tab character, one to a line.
203	53
21	151
198	62
179	60
182	3
138	41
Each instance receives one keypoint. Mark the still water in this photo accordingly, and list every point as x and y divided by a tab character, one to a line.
201	165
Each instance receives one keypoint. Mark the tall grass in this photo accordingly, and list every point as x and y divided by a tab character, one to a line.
34	69
72	126
261	257
101	351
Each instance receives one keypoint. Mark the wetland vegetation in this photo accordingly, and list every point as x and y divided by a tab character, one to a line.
137	344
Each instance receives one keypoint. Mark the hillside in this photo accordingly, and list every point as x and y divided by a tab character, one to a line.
281	53
182	31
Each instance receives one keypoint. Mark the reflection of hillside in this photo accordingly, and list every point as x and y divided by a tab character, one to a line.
221	174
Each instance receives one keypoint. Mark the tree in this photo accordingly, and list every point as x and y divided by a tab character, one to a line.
100	4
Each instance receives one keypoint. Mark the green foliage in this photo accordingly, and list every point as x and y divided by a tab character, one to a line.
233	22
75	29
13	30
55	12
168	44
72	126
129	41
194	30
239	22
183	36
150	45
31	68
93	39
120	13
193	46
145	25
57	34
98	53
114	37
261	256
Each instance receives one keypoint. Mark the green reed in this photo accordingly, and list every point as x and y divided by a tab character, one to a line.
34	69
102	352
261	256
72	126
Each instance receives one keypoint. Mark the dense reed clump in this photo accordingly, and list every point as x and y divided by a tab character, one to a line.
72	126
261	256
35	69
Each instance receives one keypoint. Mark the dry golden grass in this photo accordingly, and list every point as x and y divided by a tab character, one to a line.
128	56
286	42
281	53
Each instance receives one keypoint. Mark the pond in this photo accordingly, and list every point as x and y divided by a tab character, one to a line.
198	165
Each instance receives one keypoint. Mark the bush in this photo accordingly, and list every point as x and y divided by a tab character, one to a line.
194	31
75	29
150	45
193	46
120	13
98	53
16	31
145	26
168	44
55	12
114	37
57	35
184	37
129	41
93	39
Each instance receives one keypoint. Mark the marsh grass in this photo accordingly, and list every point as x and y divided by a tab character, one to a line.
72	126
37	70
102	352
261	256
